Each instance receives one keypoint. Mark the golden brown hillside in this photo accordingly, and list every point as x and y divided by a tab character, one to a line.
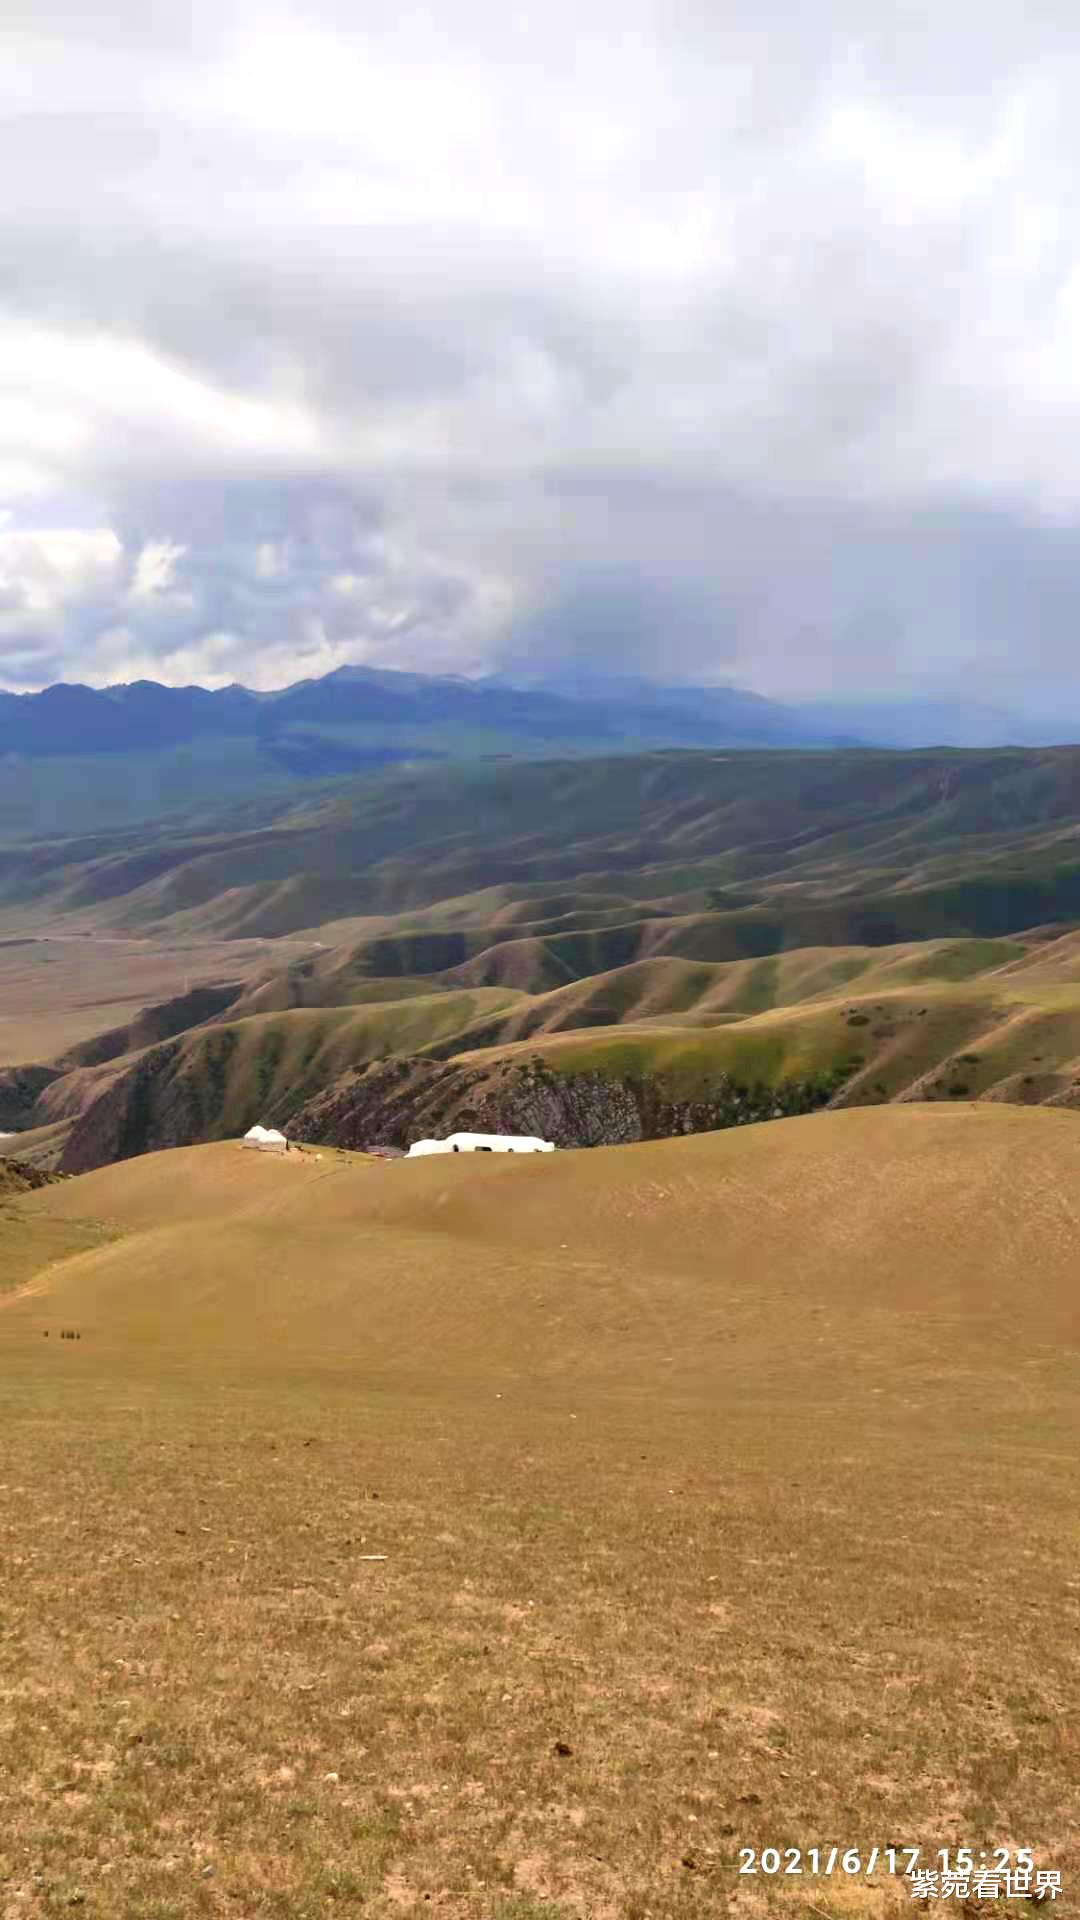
526	1540
940	1218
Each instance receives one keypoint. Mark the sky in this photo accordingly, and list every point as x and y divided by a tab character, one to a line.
706	342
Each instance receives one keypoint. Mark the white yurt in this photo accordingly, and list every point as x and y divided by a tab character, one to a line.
266	1140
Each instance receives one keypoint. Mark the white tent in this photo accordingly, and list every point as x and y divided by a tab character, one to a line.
266	1140
482	1143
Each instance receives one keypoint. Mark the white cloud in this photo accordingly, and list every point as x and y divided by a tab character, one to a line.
44	573
370	340
119	655
154	575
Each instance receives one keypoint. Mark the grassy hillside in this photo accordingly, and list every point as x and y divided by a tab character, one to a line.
79	792
75	757
772	845
908	1043
525	1539
220	1078
884	926
691	1045
876	1184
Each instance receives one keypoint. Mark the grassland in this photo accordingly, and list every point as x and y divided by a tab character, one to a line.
777	849
77	793
992	1020
899	923
725	1494
1000	1042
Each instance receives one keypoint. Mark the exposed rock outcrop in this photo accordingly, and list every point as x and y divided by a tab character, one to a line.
159	1102
20	1090
16	1177
144	1107
399	1101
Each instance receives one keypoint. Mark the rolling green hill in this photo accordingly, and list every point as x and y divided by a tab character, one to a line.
657	1046
771	850
688	938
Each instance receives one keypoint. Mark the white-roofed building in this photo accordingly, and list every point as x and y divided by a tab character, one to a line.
482	1143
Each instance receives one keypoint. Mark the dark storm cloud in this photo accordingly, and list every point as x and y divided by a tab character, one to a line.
674	340
802	599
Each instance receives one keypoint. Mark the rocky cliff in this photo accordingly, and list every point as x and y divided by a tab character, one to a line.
157	1103
20	1090
398	1101
149	1104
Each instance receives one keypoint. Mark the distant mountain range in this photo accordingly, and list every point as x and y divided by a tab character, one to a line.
311	726
365	716
118	756
901	723
941	723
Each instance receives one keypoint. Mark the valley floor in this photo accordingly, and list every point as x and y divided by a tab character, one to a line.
59	988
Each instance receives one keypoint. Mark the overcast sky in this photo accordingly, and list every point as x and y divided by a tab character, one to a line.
682	338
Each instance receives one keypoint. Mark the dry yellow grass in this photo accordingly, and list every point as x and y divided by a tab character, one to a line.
744	1467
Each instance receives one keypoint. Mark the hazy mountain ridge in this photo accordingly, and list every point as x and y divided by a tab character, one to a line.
75	758
78	759
918	720
311	716
75	719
